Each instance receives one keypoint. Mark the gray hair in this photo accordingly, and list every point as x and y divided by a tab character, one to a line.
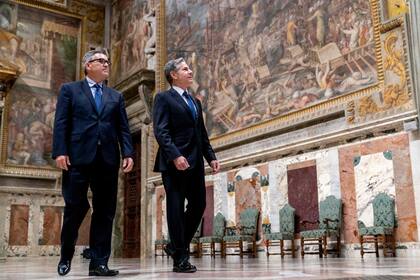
172	65
88	57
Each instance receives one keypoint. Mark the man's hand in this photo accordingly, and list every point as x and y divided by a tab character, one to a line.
63	162
127	164
215	165
181	163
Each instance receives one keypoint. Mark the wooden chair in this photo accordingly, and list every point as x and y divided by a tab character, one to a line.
287	232
245	232
159	245
330	216
383	229
194	241
219	226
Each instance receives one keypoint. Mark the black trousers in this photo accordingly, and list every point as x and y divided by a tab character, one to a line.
103	181
183	222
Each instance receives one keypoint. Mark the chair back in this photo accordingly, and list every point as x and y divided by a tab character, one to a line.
330	209
219	224
248	220
383	211
287	219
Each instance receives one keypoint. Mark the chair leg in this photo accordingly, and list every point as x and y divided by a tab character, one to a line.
385	245
376	246
302	250
241	253
362	252
212	249
282	248
254	249
293	248
320	253
325	245
393	244
267	245
199	247
338	248
223	249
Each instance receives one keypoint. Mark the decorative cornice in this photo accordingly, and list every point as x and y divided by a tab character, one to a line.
143	76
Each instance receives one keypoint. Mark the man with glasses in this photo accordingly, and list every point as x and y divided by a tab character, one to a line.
90	131
183	142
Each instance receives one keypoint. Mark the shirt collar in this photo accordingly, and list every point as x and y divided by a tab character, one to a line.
92	83
179	90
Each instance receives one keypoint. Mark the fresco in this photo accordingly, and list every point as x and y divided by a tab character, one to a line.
256	60
132	25
45	47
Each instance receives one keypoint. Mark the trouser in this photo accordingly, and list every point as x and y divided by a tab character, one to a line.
183	221
103	181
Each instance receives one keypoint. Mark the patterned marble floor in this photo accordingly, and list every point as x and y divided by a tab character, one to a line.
231	268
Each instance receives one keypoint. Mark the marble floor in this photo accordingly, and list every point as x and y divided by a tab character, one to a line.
230	268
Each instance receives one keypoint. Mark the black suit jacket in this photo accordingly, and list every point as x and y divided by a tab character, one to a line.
79	126
178	133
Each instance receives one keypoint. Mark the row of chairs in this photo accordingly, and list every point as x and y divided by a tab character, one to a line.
329	230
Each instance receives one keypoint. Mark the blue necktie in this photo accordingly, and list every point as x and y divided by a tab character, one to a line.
98	96
190	104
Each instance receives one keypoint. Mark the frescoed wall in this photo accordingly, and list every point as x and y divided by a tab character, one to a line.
132	29
46	47
255	60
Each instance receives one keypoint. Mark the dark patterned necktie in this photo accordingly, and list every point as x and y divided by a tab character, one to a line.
98	96
190	104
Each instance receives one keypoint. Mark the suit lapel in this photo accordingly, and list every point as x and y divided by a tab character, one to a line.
88	93
181	101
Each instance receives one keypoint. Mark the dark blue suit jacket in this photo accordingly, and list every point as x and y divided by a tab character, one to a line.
79	126
178	133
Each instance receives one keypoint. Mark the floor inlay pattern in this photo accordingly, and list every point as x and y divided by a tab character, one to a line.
230	268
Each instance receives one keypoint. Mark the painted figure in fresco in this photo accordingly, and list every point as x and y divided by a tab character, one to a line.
353	32
9	42
321	24
183	142
90	132
150	47
291	31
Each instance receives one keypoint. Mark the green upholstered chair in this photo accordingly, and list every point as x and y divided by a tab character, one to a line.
219	225
329	226
159	245
194	241
287	232
246	231
383	229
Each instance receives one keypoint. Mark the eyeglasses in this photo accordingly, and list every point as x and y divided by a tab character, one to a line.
101	61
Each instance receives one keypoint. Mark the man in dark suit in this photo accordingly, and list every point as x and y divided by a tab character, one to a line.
183	142
90	130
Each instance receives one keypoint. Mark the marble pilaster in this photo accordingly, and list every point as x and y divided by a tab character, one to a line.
278	190
328	174
415	162
145	200
3	203
405	203
220	190
374	174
